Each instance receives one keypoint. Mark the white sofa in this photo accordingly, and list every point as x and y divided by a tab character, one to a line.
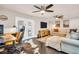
70	46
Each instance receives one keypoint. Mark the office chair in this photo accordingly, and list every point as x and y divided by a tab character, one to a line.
15	47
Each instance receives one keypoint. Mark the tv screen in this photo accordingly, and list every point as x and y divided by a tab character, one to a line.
43	24
1	29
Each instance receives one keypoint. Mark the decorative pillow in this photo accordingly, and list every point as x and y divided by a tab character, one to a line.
73	30
56	30
74	35
43	33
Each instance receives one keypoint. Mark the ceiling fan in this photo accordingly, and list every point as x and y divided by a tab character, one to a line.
43	8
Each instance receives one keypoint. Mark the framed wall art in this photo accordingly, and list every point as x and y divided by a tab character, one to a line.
57	23
65	23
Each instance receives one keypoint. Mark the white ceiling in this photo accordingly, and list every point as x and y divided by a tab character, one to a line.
68	10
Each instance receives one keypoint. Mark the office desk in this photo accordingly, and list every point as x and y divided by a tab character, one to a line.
7	38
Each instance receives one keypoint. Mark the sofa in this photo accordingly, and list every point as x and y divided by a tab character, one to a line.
70	46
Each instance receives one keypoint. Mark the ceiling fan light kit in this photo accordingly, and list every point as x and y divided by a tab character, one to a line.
42	12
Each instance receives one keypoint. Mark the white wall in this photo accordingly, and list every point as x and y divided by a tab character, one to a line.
74	23
11	19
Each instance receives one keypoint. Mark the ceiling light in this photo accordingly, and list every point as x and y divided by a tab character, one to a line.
42	12
57	18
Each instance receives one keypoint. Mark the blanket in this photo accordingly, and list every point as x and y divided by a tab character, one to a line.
55	42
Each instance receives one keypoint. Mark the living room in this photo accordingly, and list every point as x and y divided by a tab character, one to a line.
42	26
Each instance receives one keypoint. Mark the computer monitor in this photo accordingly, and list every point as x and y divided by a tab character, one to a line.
1	29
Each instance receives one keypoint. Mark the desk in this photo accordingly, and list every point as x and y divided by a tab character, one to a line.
7	38
4	39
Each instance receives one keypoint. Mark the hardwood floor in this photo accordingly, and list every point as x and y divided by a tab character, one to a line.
50	50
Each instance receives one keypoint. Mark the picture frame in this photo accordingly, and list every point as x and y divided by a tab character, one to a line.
65	23
57	23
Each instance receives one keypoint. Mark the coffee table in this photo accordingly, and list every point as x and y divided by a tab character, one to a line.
42	42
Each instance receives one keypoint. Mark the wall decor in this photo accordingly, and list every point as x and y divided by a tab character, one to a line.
65	23
3	17
57	23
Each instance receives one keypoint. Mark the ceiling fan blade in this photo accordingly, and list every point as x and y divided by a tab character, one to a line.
35	11
49	6
61	16
49	10
37	7
57	16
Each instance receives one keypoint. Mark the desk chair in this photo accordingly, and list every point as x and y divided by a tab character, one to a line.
14	46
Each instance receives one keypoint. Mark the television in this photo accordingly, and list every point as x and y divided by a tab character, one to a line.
43	24
1	29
